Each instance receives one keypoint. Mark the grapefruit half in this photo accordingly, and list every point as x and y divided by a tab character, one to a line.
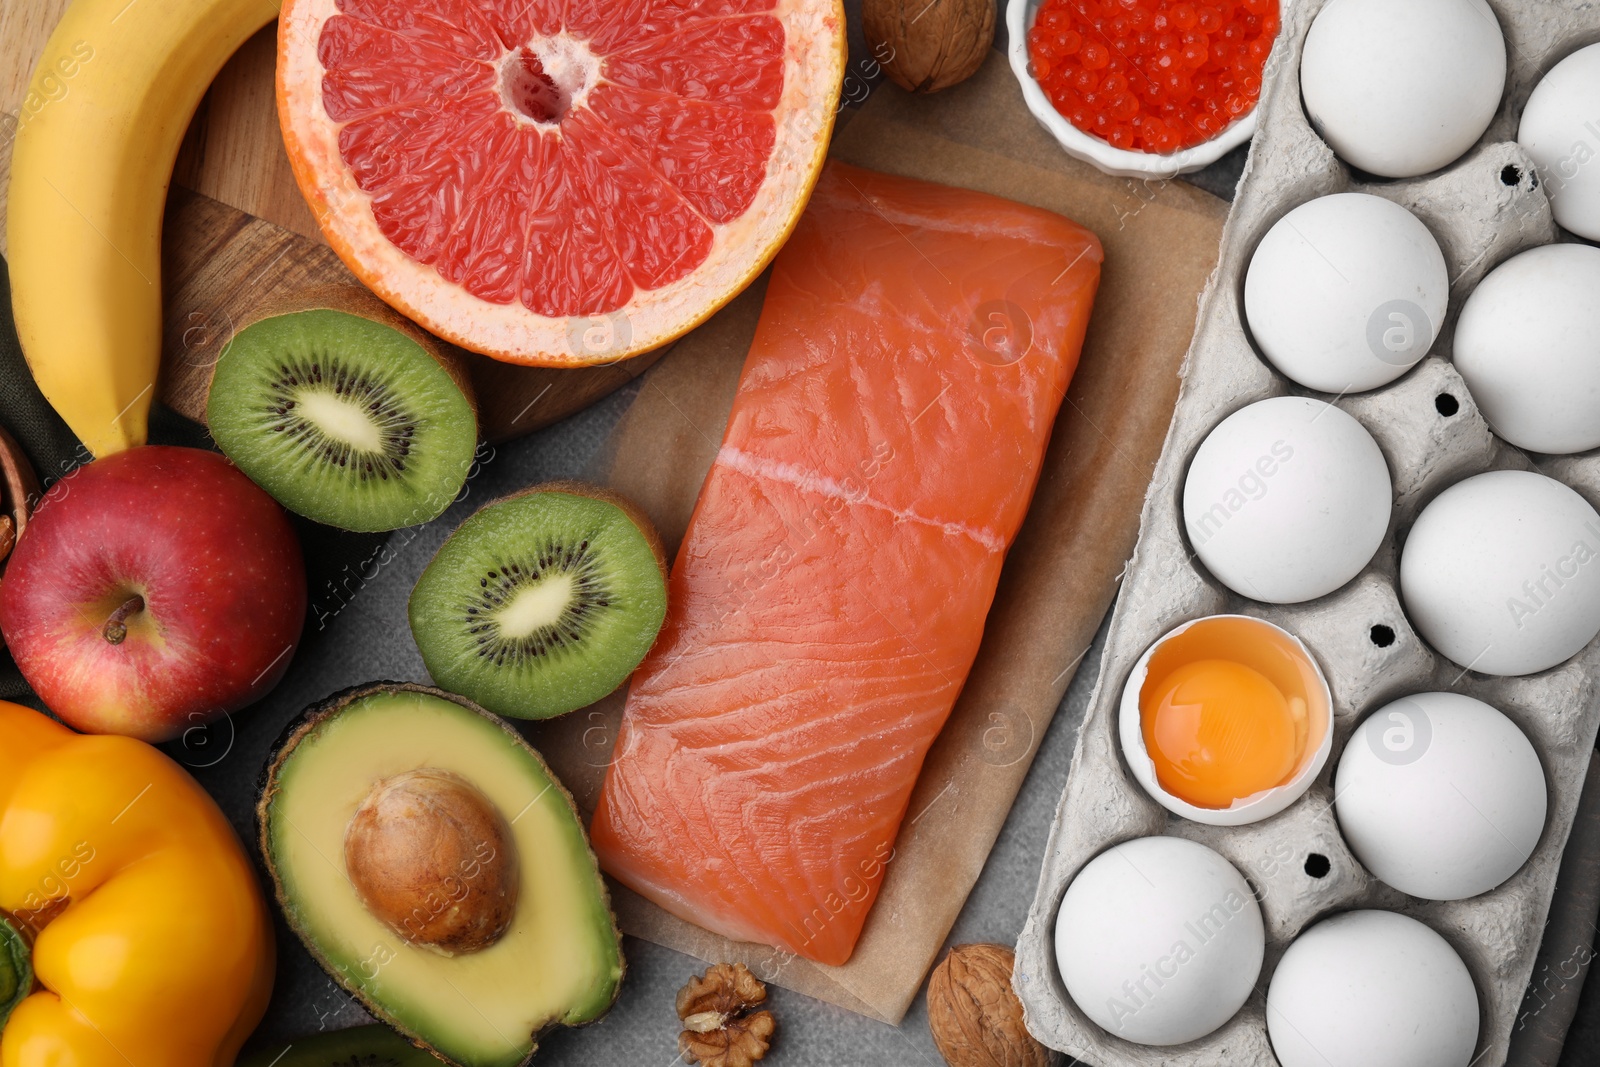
558	182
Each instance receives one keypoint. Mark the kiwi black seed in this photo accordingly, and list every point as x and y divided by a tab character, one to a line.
343	418
543	602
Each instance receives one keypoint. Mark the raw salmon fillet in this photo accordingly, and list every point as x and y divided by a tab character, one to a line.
831	591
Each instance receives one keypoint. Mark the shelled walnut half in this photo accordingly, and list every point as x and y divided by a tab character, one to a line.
721	1026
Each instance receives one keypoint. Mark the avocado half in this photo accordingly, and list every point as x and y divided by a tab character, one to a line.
558	961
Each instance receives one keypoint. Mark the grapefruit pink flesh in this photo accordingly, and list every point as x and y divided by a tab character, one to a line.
563	158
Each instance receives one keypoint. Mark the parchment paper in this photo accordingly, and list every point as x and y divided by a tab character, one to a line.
1161	243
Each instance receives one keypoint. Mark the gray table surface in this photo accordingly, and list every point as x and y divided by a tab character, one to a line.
367	639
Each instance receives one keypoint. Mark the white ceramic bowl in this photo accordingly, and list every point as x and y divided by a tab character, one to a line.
1119	161
1268	802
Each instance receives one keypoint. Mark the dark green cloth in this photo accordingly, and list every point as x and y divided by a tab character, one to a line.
52	447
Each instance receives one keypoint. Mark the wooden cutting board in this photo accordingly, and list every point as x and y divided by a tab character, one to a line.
238	234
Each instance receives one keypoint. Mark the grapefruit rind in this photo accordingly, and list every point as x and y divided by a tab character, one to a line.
813	75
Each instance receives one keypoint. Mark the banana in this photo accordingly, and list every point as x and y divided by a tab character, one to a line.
96	140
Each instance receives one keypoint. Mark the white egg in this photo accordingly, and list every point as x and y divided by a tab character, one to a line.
1440	796
1501	572
1159	940
1561	131
1287	500
1401	89
1346	292
1372	989
1528	345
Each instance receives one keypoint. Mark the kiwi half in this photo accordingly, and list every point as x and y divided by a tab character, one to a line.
542	602
345	413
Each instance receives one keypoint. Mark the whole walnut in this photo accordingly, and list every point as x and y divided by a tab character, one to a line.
975	1016
928	45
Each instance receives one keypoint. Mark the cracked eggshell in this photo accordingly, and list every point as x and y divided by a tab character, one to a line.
1346	292
1401	89
1501	573
1159	940
1561	130
1440	796
1528	346
1287	499
1372	989
1258	806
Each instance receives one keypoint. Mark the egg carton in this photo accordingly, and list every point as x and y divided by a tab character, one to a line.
1482	209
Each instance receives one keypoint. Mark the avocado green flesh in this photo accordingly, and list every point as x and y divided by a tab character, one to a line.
419	408
16	970
560	960
360	1046
448	604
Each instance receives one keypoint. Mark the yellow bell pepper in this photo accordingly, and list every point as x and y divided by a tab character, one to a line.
150	936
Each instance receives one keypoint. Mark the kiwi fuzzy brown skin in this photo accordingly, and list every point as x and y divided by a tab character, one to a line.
359	301
304	724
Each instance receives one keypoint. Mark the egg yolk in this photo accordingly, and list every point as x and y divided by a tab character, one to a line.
1219	731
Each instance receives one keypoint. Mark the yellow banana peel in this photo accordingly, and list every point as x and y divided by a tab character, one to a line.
96	140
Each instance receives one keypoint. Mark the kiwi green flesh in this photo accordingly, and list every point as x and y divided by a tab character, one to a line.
343	420
539	604
360	1046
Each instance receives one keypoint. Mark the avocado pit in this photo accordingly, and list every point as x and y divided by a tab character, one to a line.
432	858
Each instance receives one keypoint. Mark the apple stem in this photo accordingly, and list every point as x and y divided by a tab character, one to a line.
116	627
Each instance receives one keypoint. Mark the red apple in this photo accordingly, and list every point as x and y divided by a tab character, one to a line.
154	590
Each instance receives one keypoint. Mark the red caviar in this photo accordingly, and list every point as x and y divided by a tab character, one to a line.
1152	75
